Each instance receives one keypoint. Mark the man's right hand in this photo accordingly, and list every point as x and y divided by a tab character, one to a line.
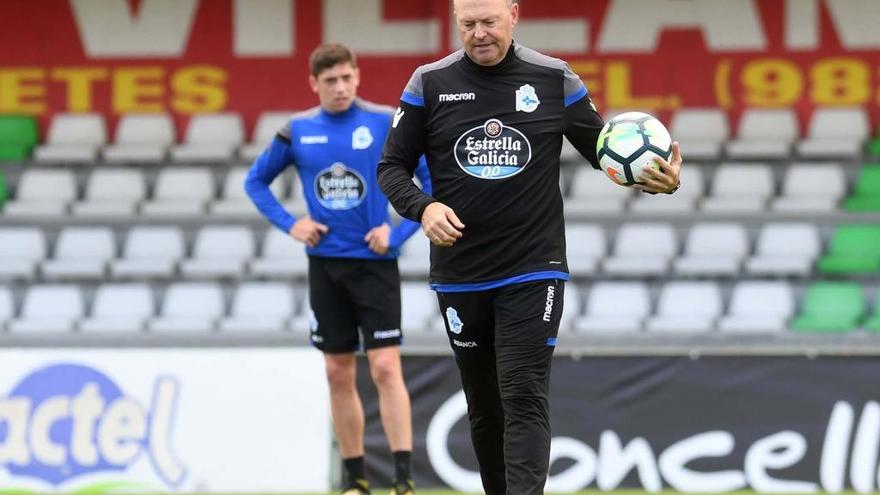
441	224
308	231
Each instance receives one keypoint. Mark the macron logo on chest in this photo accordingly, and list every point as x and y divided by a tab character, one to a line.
457	97
313	140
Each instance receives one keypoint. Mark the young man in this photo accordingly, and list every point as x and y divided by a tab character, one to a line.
490	120
354	283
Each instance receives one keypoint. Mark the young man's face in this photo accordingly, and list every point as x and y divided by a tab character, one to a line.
336	87
486	28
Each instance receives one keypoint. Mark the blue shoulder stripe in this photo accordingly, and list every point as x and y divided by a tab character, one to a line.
412	99
574	97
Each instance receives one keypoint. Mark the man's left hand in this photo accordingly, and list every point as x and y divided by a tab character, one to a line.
377	238
665	179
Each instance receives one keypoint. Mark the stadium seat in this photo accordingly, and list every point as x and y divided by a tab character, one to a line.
853	249
281	257
629	253
180	191
572	307
713	249
120	308
614	306
701	132
18	136
419	311
873	322
811	188
759	306
740	188
831	307
296	203
189	307
764	133
74	138
585	245
837	132
111	193
866	194
49	308
686	307
220	251
210	138
302	320
268	125
141	139
692	188
785	249
593	193
7	307
42	193
149	252
260	307
21	250
234	202
80	253
415	258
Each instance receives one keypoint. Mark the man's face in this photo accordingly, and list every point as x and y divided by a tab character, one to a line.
486	28
336	87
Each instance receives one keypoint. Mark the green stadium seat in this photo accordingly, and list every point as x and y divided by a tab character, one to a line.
866	196
854	249
18	135
874	147
831	307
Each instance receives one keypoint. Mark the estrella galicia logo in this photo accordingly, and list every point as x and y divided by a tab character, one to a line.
526	99
492	151
65	421
339	187
455	323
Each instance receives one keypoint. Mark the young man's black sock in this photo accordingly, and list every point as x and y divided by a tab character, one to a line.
402	465
354	470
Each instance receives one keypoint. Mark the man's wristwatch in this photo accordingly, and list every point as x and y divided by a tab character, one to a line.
674	188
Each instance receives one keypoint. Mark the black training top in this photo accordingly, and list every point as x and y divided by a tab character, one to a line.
492	137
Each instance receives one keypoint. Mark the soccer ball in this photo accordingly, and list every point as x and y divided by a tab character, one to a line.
629	143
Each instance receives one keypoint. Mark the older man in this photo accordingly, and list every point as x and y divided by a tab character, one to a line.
490	120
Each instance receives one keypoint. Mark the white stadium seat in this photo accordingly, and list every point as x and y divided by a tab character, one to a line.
700	131
220	251
642	249
614	306
234	202
210	138
593	193
42	192
7	307
785	249
811	188
713	249
281	257
49	308
296	203
585	245
572	306
141	139
260	307
681	202
149	252
835	133
686	307
759	306
111	192
415	259
419	311
764	133
120	308
21	249
268	125
189	307
81	253
74	138
180	191
740	188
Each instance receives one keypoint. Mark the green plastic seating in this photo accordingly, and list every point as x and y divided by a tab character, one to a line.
18	136
831	307
855	249
866	196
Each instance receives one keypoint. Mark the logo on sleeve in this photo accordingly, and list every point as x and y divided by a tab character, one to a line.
397	116
361	138
492	151
526	99
339	187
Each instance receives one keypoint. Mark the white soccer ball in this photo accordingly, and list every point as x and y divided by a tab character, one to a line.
628	145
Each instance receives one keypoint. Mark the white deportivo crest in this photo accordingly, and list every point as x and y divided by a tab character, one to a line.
361	138
526	99
397	116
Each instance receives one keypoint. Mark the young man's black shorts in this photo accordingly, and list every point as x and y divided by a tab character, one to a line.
348	295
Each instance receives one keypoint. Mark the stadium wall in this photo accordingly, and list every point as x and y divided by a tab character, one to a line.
192	56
